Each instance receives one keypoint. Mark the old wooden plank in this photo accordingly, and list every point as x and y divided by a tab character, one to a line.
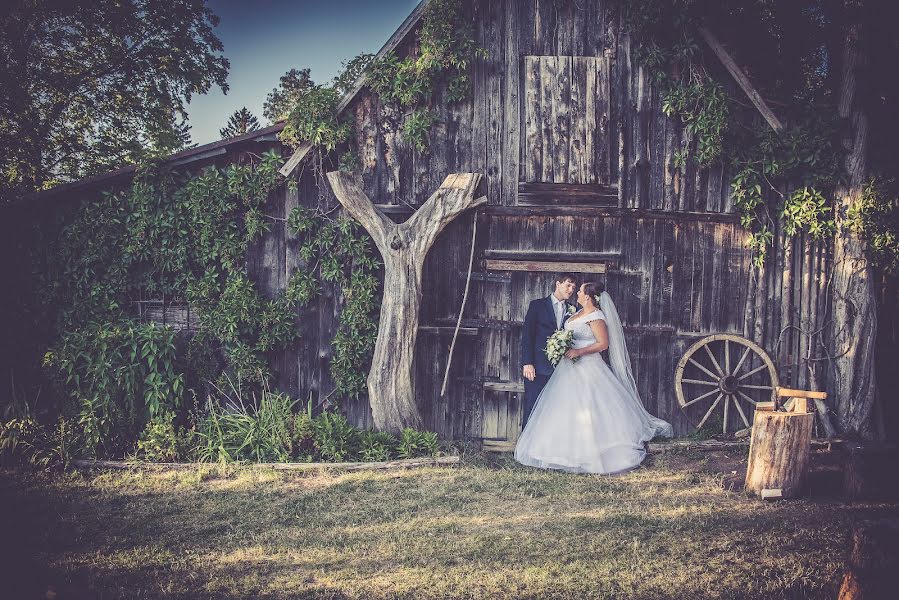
545	267
512	129
590	134
494	41
577	111
561	120
551	256
548	82
532	148
591	211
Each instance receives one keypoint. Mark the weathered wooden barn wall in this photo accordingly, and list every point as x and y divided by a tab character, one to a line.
580	168
579	165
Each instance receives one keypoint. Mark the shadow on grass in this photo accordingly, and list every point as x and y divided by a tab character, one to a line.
490	530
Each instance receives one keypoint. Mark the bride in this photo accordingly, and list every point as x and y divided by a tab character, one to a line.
589	418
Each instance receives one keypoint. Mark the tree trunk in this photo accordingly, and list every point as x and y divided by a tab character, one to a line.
854	325
403	247
779	452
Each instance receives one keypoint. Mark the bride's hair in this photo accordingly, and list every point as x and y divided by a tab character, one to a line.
593	290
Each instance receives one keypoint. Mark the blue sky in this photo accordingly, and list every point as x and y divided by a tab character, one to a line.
264	39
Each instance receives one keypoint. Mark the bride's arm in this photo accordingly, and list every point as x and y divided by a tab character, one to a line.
600	332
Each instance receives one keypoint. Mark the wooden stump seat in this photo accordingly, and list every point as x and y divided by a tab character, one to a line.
780	446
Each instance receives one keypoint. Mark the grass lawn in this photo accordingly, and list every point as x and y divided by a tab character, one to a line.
678	528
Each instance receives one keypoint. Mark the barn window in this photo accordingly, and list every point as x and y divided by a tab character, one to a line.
565	126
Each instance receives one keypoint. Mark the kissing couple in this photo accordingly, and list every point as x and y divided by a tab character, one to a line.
583	415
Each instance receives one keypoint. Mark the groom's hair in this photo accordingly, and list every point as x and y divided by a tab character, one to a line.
563	277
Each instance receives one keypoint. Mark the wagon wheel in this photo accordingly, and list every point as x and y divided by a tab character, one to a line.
728	368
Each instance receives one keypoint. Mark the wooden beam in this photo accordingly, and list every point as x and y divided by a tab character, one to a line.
434	330
543	194
545	267
604	211
539	255
295	159
741	78
504	386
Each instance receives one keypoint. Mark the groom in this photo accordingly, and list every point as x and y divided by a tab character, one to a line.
545	316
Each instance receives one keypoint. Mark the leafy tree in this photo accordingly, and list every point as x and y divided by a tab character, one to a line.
95	85
294	84
241	121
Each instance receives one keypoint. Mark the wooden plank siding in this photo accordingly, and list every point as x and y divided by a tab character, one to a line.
558	102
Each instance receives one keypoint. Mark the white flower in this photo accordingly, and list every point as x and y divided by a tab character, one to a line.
558	344
571	310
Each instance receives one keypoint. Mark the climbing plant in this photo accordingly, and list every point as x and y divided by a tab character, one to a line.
342	254
181	238
806	155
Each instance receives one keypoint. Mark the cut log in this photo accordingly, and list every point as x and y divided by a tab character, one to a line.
779	452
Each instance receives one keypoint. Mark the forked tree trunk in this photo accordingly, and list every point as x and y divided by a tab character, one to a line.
403	247
854	327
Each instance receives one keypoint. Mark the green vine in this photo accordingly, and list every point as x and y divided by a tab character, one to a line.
342	254
180	239
876	218
446	48
806	152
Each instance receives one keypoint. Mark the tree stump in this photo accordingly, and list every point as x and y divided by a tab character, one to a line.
779	453
872	566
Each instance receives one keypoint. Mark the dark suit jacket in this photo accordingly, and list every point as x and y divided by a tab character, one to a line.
539	324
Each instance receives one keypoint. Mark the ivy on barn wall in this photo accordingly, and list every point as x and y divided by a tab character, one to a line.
763	163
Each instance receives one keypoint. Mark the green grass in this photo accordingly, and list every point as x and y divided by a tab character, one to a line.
487	529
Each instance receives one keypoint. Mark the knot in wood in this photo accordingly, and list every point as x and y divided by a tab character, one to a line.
396	243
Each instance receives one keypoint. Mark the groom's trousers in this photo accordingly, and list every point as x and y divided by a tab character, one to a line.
532	389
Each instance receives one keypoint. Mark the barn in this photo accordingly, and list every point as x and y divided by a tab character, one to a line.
581	171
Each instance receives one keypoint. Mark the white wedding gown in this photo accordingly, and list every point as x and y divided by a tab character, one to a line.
585	420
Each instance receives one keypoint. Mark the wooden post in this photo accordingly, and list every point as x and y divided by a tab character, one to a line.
779	453
740	77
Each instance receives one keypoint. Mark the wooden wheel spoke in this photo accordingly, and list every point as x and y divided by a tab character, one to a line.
709	412
704	370
726	404
727	356
752	372
698	398
756	387
740	410
740	362
746	398
714	360
700	382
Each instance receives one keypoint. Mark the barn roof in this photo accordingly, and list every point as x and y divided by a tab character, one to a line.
183	157
260	135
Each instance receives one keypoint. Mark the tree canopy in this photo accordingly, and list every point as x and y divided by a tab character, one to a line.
240	122
283	98
89	87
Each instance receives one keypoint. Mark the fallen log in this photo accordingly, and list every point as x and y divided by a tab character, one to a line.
321	466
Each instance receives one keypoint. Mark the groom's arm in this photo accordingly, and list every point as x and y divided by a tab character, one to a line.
528	335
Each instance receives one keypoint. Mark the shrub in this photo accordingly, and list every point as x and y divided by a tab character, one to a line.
335	439
162	441
235	428
25	441
375	446
414	443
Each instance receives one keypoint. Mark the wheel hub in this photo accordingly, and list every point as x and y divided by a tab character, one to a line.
729	384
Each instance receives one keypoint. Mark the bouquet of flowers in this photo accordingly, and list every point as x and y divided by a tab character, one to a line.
558	344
